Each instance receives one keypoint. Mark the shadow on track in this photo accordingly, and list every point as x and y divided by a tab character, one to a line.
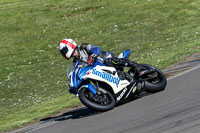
74	114
84	112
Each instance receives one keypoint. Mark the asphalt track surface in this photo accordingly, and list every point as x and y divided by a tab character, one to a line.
174	110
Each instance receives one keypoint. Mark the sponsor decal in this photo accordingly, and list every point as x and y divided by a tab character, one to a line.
106	76
121	95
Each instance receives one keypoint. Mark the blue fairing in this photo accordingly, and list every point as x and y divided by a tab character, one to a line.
78	73
74	75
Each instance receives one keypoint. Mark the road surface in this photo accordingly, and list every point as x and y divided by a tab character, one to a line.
174	110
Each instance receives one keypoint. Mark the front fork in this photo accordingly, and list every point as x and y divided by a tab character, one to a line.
93	87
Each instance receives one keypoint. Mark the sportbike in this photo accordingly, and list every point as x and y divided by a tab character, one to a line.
101	87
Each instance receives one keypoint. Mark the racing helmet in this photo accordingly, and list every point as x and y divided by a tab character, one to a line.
67	47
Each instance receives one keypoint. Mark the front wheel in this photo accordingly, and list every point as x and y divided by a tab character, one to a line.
102	101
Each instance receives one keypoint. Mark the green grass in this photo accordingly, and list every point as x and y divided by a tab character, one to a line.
32	71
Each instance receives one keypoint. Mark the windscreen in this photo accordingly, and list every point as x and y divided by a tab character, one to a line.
69	69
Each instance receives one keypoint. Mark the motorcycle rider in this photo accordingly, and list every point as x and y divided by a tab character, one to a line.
90	54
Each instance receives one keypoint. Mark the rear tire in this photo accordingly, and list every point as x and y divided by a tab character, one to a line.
105	101
157	84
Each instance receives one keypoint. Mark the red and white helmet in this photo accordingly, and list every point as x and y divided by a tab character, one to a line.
67	47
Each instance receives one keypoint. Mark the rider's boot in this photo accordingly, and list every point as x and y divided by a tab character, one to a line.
120	62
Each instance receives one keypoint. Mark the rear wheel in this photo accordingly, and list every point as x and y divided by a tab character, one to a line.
155	81
102	101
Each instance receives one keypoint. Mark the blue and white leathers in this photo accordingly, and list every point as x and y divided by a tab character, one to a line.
125	54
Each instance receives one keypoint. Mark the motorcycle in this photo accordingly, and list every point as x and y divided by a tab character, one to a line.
101	87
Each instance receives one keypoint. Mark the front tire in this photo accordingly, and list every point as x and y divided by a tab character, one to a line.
99	102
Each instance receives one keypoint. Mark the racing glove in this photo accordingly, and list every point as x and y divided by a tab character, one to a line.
92	58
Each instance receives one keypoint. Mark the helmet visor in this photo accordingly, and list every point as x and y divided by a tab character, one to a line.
64	51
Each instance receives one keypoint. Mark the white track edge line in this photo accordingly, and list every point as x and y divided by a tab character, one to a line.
184	72
41	127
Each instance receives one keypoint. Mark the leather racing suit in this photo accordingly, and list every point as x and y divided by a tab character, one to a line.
88	52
